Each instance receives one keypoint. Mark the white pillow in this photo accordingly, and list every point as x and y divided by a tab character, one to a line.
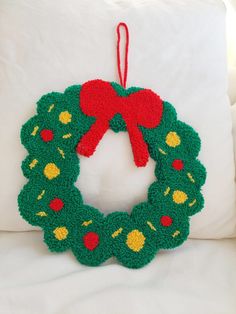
233	112
232	84
177	48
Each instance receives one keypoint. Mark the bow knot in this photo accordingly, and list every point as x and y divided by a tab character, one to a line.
142	108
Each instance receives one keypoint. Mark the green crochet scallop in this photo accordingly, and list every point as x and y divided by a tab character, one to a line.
50	199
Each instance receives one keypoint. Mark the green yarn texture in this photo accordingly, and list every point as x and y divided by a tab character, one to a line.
51	201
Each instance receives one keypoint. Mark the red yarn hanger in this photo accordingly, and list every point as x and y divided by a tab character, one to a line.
124	79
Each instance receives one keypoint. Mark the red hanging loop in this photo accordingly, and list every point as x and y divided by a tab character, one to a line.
124	79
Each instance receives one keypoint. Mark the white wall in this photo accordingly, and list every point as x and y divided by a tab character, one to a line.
231	31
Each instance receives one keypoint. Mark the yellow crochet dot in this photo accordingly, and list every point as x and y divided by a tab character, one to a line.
61	233
173	139
135	240
65	117
179	197
51	171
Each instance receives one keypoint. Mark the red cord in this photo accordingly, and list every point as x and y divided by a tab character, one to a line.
122	81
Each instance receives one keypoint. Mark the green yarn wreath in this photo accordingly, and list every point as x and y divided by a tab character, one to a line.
50	199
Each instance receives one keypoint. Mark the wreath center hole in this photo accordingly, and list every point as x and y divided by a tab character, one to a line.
109	180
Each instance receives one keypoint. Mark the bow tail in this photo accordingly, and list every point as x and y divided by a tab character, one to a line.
90	140
139	146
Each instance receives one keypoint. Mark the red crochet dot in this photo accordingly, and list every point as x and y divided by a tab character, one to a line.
91	240
178	164
56	204
166	221
46	135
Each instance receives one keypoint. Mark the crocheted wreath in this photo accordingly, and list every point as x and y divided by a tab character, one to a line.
75	121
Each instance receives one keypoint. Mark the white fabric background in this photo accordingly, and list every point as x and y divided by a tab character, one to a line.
232	85
198	277
176	48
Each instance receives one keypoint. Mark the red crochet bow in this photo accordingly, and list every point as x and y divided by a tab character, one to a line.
142	108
